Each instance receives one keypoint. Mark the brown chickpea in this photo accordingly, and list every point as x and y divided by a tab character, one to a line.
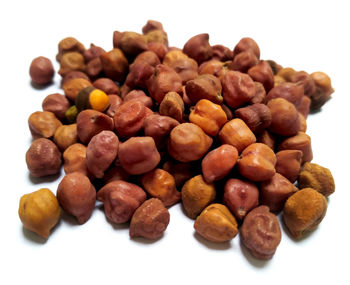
57	104
91	122
129	118
43	158
43	124
75	159
257	162
237	134
77	196
261	233
219	162
216	223
196	194
120	200
161	184
65	136
188	142
240	197
209	116
237	88
138	155
284	117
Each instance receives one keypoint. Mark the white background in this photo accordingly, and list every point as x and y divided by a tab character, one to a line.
306	35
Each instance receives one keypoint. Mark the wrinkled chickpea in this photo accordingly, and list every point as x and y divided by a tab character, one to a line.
261	233
317	177
43	124
39	211
74	86
140	72
244	61
69	44
304	79
173	106
150	220
120	200
65	136
260	94
204	86
114	64
92	52
304	211
257	117
101	152
237	88
196	194
185	66
71	61
164	80
131	43
159	127
160	184
77	196
222	53
216	224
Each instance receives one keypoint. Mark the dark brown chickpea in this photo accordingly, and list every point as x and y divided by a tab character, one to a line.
262	73
114	64
198	48
159	127
237	88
